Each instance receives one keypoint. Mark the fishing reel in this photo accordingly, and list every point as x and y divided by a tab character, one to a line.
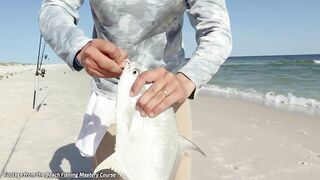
41	72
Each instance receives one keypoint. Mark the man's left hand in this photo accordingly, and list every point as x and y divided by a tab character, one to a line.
167	89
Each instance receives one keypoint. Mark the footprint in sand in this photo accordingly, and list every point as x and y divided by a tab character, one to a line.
248	139
254	126
303	163
199	133
303	131
239	168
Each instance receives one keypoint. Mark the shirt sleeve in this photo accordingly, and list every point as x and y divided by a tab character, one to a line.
211	21
58	26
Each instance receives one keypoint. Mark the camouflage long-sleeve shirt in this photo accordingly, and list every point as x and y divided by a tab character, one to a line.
149	30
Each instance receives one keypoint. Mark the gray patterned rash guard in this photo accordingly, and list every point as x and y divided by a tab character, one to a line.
149	30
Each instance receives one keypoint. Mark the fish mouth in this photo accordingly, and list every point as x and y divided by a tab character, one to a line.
132	66
127	61
127	66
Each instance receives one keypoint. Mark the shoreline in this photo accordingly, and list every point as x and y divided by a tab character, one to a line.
245	140
291	108
11	69
242	139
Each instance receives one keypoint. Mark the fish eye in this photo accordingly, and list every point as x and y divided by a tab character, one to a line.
136	72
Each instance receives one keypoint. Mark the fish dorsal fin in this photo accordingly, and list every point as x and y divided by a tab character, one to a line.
112	163
186	144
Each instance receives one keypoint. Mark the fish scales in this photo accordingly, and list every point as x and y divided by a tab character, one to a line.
146	148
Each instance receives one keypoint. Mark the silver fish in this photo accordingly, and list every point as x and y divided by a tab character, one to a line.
146	148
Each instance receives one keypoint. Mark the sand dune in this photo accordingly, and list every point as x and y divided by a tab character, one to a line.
8	70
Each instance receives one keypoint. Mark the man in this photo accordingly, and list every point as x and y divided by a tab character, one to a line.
148	31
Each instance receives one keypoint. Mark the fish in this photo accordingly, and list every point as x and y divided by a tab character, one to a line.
146	148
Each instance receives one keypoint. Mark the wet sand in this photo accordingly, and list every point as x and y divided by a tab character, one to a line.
246	140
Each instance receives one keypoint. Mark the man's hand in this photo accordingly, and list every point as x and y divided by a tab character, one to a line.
167	89
101	58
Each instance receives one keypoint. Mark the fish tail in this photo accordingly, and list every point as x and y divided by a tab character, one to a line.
186	144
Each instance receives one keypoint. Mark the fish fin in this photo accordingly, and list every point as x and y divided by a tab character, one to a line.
183	145
112	163
186	144
175	167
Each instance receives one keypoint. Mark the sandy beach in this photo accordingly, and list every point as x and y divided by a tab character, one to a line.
8	70
246	140
243	140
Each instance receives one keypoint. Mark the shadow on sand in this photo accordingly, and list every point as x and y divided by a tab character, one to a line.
42	103
71	154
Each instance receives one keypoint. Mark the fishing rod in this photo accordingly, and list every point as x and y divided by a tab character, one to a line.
39	70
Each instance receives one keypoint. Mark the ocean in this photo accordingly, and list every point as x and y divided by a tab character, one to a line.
291	81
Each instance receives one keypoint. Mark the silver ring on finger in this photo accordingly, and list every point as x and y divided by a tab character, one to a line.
166	94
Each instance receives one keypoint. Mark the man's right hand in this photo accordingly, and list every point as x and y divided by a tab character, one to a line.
103	59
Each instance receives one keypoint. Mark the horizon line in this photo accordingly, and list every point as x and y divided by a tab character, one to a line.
267	55
236	56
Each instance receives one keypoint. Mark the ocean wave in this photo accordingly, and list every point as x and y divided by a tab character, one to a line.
298	62
288	100
279	62
244	63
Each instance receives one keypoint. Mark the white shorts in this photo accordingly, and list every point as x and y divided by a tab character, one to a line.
99	116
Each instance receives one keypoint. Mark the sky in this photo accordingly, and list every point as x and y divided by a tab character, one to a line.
258	27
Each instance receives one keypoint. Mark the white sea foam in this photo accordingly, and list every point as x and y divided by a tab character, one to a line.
316	61
288	101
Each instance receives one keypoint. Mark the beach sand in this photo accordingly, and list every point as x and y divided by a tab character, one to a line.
246	140
42	140
8	70
242	140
